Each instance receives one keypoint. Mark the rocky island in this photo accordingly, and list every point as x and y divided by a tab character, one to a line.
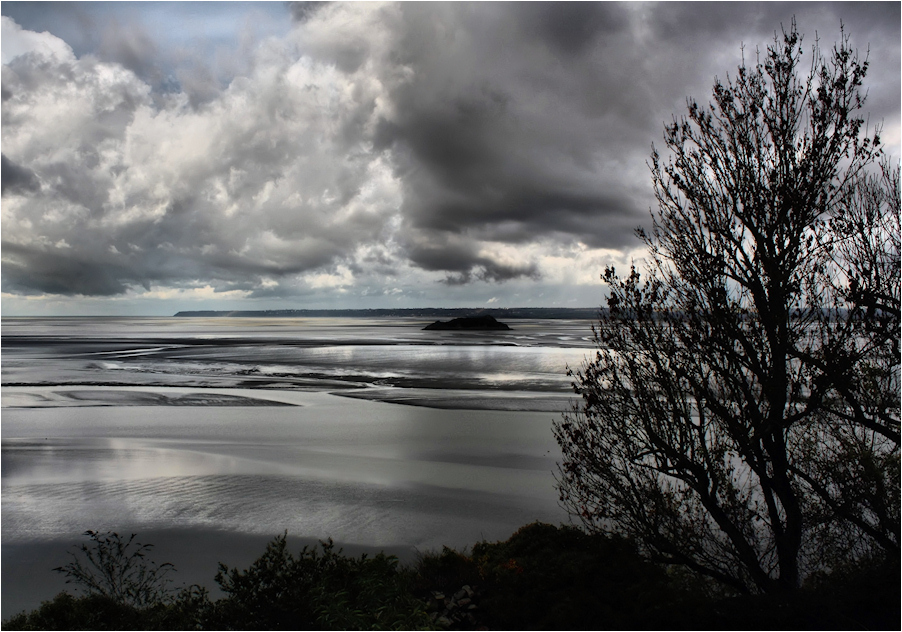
472	323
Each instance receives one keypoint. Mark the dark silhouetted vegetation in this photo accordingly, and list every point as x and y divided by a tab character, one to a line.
741	415
118	569
472	323
542	578
316	591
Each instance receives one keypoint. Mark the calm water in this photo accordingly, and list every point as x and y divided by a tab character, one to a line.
384	359
372	432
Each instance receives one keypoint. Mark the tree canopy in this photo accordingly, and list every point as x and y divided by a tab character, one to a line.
741	414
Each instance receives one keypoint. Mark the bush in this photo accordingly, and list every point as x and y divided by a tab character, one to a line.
65	612
118	568
546	577
325	591
445	572
123	590
542	577
860	596
184	611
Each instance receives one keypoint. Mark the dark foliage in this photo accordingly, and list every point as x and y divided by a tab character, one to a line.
65	612
862	597
119	569
547	577
473	323
561	578
741	415
542	577
316	591
445	572
185	611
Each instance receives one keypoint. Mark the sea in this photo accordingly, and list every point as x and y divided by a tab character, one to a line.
207	437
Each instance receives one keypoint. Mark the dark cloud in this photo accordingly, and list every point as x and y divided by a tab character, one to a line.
551	137
373	146
510	150
56	271
130	45
16	179
493	272
199	83
571	27
303	11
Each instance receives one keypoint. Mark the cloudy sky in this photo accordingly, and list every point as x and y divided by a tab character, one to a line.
168	156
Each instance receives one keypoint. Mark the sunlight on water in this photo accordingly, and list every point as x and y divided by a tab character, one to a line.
69	468
369	432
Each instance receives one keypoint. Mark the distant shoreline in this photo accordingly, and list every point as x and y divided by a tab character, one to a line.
575	313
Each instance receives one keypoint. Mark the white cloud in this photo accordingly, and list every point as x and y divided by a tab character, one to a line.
342	277
17	41
275	176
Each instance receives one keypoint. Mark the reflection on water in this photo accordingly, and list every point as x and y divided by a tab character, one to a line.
427	477
240	426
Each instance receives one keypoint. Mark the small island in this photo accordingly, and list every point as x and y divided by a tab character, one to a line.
472	323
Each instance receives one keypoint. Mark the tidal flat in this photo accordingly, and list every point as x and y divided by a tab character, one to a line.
208	437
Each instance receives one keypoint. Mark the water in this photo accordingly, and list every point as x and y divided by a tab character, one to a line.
378	359
251	427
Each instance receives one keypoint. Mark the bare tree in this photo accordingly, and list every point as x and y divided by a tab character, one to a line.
852	455
741	413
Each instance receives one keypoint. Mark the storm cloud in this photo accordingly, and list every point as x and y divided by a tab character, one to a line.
364	150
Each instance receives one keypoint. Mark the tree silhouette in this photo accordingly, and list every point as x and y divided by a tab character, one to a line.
741	414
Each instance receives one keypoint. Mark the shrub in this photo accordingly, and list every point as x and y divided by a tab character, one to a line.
542	577
184	611
123	590
445	572
118	568
324	591
547	577
66	612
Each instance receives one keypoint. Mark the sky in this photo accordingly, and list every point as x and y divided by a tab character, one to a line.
167	156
